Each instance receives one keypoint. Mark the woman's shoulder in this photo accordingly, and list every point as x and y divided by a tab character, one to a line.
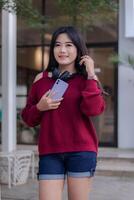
40	76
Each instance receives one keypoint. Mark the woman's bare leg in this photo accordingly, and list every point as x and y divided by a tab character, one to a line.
79	188
51	189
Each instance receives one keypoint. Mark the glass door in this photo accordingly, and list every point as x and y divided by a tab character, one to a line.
0	78
106	122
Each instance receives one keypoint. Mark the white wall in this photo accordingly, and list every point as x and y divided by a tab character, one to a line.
125	87
126	108
129	18
21	101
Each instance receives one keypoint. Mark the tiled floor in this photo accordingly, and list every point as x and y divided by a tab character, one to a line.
104	188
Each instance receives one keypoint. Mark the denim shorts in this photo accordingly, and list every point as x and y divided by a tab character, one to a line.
74	164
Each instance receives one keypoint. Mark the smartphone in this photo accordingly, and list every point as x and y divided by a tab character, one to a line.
59	88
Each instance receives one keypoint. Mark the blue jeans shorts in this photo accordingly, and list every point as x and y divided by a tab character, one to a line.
74	164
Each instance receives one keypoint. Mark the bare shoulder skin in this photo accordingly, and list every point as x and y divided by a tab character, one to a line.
38	77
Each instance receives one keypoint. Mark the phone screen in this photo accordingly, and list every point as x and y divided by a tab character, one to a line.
59	88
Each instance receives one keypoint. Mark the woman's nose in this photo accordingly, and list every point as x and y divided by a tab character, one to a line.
63	48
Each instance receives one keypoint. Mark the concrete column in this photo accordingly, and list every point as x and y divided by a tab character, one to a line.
8	81
129	18
125	82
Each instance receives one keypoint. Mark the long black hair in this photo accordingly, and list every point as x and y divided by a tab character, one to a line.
77	40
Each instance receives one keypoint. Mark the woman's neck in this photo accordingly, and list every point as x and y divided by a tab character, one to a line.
64	68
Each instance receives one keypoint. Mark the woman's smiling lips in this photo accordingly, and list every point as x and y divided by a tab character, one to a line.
62	56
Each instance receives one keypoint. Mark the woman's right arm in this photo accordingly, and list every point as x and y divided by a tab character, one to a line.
31	115
33	111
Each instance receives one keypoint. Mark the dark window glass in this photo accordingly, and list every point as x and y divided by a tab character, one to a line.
32	57
0	80
105	124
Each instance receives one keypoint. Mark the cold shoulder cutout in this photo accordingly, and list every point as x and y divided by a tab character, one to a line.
38	77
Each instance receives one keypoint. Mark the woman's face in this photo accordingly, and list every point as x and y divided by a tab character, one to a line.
65	52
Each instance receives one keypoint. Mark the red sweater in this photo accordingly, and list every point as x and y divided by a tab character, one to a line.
69	127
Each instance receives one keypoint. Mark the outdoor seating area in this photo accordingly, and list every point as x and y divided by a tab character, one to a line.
15	167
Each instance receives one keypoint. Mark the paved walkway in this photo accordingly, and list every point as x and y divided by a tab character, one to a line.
104	188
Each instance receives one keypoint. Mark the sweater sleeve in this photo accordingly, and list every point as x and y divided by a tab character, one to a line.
30	114
92	103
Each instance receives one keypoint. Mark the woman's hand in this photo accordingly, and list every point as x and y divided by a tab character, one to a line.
46	102
89	64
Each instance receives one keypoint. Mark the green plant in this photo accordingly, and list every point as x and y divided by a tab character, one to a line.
84	13
24	9
127	60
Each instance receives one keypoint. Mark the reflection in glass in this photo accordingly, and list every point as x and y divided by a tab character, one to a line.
32	57
105	122
32	43
38	57
0	80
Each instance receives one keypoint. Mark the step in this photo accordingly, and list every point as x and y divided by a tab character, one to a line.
115	162
111	162
115	167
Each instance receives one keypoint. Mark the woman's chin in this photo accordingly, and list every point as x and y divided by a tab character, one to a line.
63	63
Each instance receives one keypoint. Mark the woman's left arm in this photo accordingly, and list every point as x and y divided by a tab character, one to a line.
92	103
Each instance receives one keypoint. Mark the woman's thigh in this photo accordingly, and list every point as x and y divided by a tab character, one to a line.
51	189
51	177
79	188
80	171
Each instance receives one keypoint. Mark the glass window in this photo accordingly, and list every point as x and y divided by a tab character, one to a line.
31	59
95	28
105	124
28	35
0	27
29	63
0	79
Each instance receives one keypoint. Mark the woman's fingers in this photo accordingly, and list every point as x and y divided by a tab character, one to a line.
47	102
51	94
85	56
58	100
47	93
89	64
54	106
82	61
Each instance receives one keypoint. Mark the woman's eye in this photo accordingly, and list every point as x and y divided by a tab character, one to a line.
65	45
69	45
57	45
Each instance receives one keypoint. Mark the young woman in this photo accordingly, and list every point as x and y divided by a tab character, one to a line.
67	139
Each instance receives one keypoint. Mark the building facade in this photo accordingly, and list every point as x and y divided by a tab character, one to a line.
104	37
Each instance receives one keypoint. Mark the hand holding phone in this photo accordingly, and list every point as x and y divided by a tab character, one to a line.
52	98
58	89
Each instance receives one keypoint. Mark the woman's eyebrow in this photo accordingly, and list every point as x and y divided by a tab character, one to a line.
64	42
